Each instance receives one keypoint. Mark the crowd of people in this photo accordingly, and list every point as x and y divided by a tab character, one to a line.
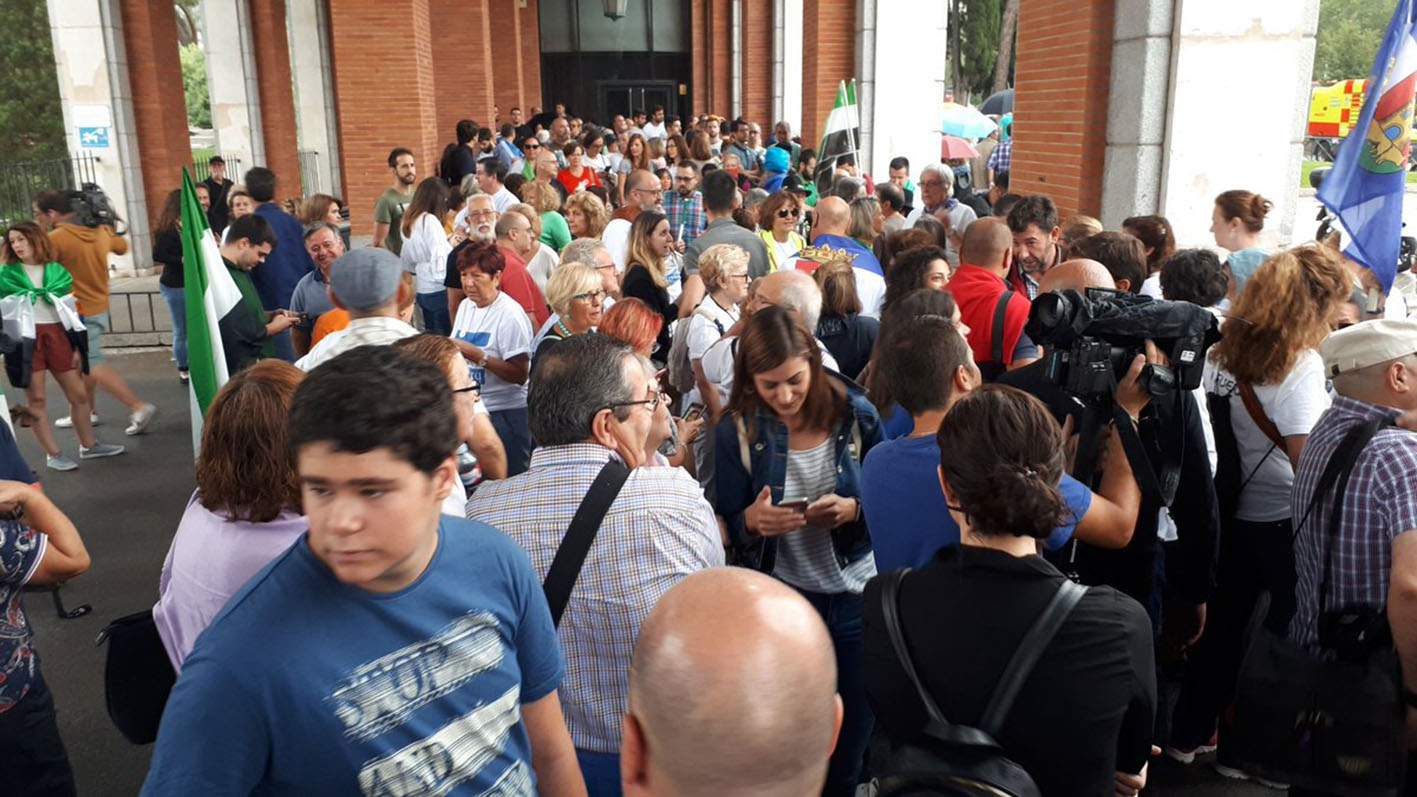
650	459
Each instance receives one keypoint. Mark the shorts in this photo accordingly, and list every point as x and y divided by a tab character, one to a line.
97	324
52	349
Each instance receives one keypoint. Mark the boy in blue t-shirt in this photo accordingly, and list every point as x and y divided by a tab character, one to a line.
928	367
391	650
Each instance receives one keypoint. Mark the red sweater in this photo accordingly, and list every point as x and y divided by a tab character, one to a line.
976	291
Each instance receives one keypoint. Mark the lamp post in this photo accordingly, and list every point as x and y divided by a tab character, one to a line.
615	9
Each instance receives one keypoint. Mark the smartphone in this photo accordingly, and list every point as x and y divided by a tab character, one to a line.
795	504
696	411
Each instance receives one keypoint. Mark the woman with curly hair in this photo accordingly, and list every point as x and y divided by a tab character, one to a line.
913	269
586	215
246	508
1265	381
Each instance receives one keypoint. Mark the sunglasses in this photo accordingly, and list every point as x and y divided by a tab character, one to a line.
788	213
532	146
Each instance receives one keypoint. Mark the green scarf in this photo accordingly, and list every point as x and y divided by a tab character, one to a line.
252	300
15	281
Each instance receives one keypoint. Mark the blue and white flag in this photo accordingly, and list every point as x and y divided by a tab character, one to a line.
1365	188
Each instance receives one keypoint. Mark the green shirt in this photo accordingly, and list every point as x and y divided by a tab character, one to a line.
555	232
389	210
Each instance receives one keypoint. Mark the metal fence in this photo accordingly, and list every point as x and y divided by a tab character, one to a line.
20	182
201	171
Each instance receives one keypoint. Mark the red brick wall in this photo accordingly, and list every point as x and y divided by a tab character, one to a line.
462	63
828	57
155	74
272	52
720	46
507	46
383	70
1060	109
757	63
698	46
531	58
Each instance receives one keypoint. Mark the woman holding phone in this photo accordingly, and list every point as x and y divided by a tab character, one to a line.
787	468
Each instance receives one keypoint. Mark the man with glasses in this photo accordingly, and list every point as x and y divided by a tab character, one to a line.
478	222
643	191
590	405
684	206
936	185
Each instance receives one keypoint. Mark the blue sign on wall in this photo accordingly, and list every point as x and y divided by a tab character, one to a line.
93	137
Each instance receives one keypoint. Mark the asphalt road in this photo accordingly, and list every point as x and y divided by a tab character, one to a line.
127	508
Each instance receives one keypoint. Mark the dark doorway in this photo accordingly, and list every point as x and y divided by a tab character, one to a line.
627	96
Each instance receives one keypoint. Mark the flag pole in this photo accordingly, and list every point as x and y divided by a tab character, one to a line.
856	118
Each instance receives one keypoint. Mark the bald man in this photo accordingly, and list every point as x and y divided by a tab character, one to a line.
994	313
642	193
732	697
830	241
1076	275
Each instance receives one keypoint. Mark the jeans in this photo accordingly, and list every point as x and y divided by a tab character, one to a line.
34	763
512	427
434	307
601	772
842	614
177	308
1254	558
284	348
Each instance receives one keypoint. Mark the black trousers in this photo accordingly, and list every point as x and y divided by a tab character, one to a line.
1254	558
33	762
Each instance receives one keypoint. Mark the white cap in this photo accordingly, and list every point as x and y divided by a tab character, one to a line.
1368	343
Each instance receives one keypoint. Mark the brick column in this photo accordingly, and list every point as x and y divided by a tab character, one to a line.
698	55
828	57
268	37
757	64
463	66
159	108
1060	106
720	57
531	58
510	76
383	73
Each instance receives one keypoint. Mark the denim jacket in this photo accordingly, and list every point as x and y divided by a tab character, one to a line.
734	489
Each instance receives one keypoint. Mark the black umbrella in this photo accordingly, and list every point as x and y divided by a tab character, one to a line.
998	104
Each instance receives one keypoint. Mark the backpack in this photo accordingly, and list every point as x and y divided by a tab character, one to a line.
950	759
681	371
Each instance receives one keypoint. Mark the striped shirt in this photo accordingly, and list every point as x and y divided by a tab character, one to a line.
659	530
806	558
1378	505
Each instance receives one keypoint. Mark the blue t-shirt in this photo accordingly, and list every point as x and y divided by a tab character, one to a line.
897	424
905	507
288	261
305	685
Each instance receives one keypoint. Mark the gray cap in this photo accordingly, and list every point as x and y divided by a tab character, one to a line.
365	278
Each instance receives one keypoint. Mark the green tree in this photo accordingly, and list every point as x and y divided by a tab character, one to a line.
194	86
1349	34
974	46
31	120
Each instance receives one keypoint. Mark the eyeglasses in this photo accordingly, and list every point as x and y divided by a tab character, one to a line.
652	402
788	213
658	192
742	275
474	389
482	214
931	183
594	296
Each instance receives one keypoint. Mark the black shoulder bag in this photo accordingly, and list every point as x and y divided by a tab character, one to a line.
570	557
952	759
137	676
1329	721
997	366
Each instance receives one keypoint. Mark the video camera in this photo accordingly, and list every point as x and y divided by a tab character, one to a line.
92	208
1093	339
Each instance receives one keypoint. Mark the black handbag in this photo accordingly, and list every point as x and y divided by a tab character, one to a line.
1330	720
953	759
137	676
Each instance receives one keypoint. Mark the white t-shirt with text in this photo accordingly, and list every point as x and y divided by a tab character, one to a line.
502	330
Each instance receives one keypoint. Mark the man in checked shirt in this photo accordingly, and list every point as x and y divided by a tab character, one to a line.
1373	366
590	402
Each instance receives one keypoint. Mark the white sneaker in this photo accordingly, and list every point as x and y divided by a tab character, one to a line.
138	421
1239	774
60	462
68	423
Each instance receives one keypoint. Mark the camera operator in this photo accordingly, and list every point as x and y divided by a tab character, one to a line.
1169	430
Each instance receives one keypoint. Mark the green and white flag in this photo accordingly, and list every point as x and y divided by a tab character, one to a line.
212	299
839	135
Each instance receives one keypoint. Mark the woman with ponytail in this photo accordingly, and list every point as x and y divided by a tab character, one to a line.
1082	720
1236	223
